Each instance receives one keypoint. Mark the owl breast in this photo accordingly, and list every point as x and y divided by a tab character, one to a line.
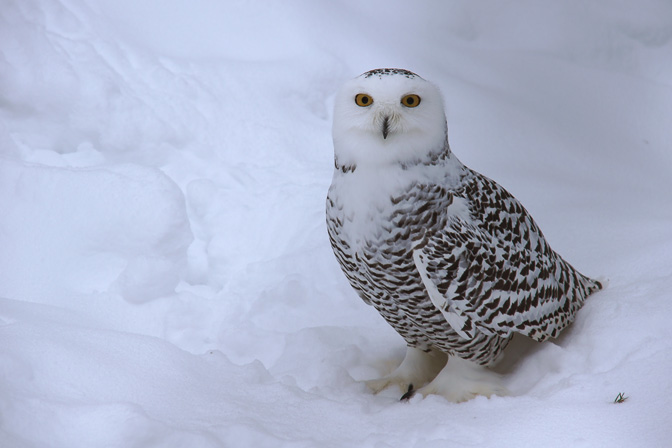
374	247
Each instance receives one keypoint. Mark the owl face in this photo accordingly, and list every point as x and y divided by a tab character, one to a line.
387	116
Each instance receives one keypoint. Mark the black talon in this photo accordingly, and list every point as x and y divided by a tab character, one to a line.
409	393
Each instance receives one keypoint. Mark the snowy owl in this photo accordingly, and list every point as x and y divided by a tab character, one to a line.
450	259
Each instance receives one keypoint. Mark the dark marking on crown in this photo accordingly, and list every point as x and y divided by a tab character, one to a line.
380	72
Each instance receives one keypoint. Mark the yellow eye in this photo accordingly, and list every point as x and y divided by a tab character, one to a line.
410	100
363	100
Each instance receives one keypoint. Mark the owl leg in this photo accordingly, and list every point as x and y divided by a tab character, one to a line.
417	369
461	380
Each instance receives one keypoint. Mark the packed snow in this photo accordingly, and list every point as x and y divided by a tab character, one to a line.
165	275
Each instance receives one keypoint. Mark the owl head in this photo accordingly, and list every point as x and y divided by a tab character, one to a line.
388	116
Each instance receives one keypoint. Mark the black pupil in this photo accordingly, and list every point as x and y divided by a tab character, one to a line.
410	100
365	99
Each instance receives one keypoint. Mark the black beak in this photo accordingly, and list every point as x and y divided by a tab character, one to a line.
386	127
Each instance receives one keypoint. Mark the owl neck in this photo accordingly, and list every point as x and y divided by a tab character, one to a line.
441	157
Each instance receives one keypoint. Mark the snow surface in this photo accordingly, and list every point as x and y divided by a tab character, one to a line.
165	273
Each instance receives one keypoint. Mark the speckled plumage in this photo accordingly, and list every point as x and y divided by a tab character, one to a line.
448	257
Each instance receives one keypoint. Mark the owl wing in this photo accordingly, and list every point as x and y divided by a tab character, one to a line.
479	280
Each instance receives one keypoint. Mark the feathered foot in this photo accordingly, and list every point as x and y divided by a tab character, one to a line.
462	380
417	369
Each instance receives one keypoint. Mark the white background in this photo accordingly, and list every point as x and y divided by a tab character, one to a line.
165	274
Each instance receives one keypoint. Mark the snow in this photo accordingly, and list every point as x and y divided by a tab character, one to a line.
165	274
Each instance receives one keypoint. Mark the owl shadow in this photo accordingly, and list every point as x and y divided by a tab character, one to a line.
527	361
519	349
